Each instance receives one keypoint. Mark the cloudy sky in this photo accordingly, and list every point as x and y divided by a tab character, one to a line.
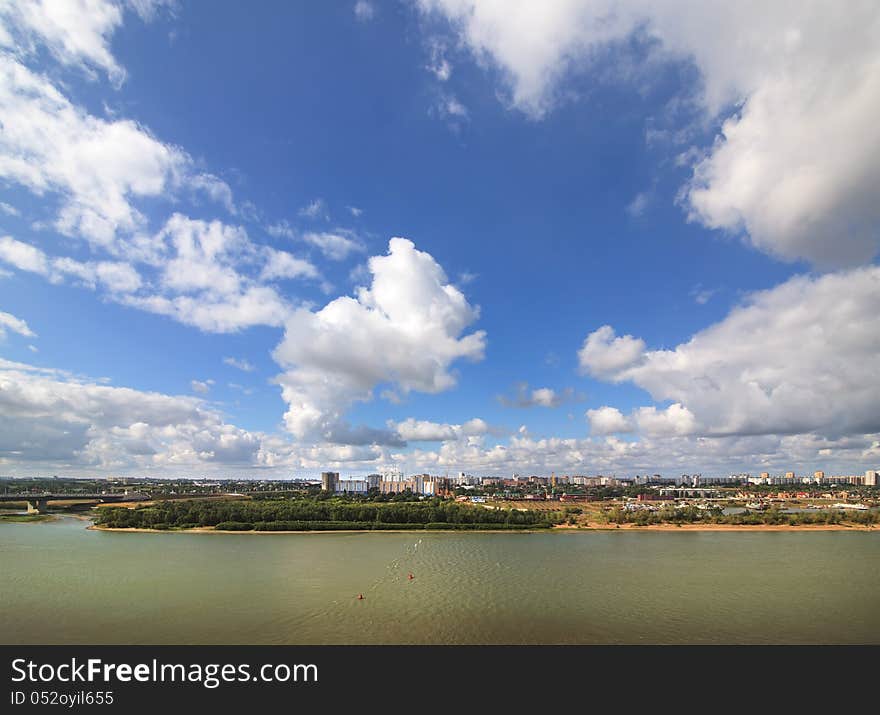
500	236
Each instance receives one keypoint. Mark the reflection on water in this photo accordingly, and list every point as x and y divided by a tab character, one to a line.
62	584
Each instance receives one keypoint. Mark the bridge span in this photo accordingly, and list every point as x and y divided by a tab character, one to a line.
38	503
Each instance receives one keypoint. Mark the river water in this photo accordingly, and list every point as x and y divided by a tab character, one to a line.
60	583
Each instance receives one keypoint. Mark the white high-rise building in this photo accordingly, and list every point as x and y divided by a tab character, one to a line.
871	478
392	474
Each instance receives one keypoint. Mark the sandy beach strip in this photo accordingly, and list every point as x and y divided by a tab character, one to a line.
561	528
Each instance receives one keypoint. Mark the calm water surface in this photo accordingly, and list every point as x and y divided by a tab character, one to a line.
62	584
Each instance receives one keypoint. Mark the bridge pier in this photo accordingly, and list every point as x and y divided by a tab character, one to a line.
37	506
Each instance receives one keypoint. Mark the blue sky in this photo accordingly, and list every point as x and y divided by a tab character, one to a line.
554	174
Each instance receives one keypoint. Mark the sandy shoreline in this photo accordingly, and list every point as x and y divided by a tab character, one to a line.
721	527
569	529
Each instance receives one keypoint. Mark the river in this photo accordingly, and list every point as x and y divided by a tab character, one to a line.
60	583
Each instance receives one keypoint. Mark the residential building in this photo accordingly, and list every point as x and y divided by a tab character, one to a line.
329	481
352	486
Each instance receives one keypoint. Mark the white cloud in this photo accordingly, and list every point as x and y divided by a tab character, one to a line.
116	277
674	420
364	11
608	420
336	245
355	211
545	397
148	9
281	265
425	431
97	168
46	417
314	209
669	455
205	278
215	188
241	388
9	209
23	256
438	65
702	295
793	167
798	358
239	364
207	274
603	354
449	107
405	329
52	421
203	387
538	397
16	325
282	229
76	32
639	204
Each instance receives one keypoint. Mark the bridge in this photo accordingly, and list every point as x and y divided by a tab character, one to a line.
38	503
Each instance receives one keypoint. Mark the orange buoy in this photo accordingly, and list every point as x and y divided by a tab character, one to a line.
411	577
360	597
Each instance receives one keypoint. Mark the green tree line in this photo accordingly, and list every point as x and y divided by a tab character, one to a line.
405	515
692	515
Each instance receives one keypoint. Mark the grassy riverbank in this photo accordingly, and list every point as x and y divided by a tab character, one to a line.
25	518
558	528
840	526
384	529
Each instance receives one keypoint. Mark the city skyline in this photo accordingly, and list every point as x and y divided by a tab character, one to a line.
585	237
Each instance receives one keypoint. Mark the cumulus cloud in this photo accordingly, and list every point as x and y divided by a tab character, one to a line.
51	420
792	168
426	431
204	278
404	330
16	325
604	355
23	256
799	358
76	32
116	277
538	397
281	265
95	172
206	273
203	387
668	455
674	420
96	168
49	417
608	420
